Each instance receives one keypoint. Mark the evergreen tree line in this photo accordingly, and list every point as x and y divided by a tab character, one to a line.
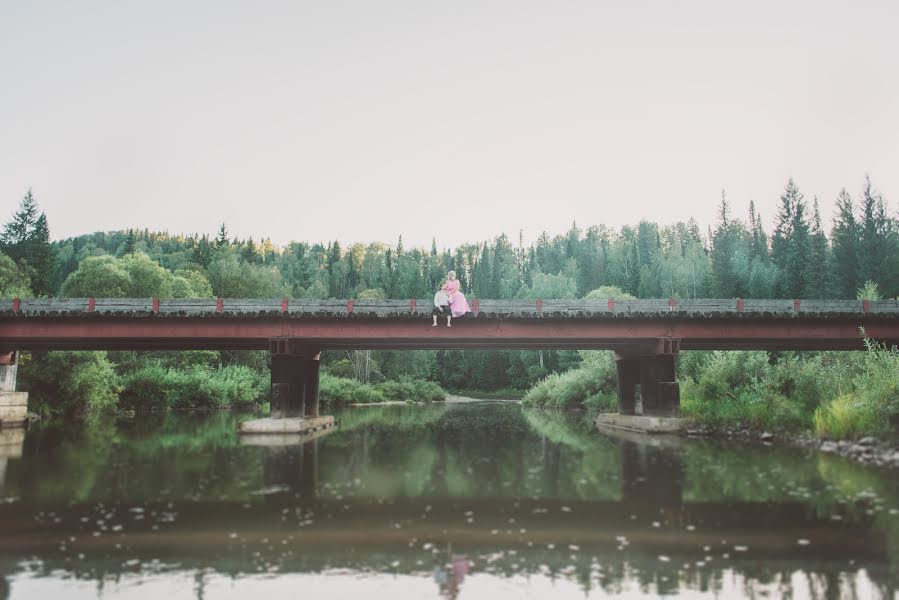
735	258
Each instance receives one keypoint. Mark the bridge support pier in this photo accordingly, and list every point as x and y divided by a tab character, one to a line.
295	402
295	375
650	376
13	404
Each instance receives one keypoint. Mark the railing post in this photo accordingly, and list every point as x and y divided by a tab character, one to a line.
285	302
16	303
539	306
413	305
91	304
796	304
219	305
741	305
349	306
155	305
866	306
612	304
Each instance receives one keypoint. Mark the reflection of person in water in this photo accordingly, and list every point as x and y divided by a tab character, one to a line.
449	578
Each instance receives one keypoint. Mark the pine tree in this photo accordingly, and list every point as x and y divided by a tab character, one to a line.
17	230
874	238
789	243
722	253
200	253
26	240
130	243
39	256
221	241
844	237
249	252
759	246
817	284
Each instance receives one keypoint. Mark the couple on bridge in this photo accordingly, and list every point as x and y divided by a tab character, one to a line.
449	301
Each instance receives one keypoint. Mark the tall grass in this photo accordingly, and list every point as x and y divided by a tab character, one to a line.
871	406
339	391
154	386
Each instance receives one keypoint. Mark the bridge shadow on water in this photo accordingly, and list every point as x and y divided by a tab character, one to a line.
450	495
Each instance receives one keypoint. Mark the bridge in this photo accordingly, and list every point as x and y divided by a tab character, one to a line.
645	334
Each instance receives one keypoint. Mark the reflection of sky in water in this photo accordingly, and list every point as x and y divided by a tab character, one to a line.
350	584
462	500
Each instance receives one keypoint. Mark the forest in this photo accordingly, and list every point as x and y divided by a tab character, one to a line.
800	255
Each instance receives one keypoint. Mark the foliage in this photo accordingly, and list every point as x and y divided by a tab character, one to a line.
869	291
340	391
232	278
590	385
26	240
14	283
70	383
154	386
133	276
609	291
871	404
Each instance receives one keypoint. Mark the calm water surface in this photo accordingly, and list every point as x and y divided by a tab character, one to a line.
463	500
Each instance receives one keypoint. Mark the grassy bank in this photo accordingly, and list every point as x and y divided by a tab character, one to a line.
592	386
155	386
78	383
835	395
339	391
500	394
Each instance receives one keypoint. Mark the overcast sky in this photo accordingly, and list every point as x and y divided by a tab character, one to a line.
457	120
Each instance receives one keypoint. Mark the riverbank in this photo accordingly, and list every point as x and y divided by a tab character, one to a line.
867	450
449	399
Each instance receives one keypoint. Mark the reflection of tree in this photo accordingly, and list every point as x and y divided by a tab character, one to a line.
424	468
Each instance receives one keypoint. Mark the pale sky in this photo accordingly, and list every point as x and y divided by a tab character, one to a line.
457	119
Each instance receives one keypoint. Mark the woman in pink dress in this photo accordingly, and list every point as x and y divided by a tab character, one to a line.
458	303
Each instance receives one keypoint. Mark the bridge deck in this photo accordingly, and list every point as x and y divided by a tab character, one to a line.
150	323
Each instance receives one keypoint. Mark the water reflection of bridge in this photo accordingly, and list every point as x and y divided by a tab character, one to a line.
298	522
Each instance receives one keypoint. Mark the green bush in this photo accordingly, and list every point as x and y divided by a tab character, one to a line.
339	391
397	390
595	378
70	383
154	386
427	391
367	394
336	391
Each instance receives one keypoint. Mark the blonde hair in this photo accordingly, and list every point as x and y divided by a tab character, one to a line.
451	275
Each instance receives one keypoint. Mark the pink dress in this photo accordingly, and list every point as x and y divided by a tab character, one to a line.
458	303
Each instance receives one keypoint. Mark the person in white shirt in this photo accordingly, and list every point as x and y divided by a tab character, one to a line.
442	308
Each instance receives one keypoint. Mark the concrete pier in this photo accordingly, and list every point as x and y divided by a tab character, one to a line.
284	431
648	375
13	404
287	425
641	423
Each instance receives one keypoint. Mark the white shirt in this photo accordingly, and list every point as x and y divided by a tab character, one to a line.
441	298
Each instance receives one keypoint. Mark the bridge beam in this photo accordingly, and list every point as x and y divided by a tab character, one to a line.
650	374
295	377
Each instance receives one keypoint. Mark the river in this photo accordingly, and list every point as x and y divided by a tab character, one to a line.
461	500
